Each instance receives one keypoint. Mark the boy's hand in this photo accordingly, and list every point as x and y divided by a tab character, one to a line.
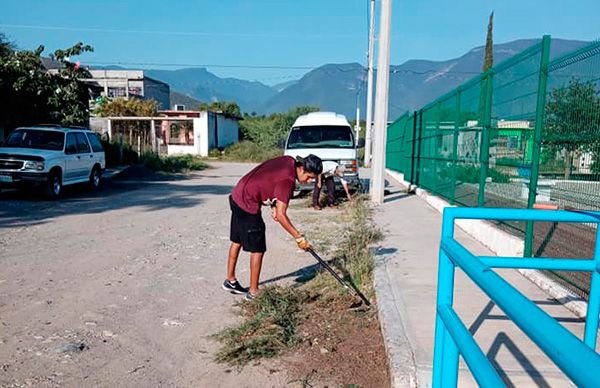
274	213
303	243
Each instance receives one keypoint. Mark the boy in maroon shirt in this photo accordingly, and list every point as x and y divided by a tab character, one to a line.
271	183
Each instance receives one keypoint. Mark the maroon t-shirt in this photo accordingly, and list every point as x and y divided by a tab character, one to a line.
272	180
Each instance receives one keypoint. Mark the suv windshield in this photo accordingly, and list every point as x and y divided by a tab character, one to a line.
321	136
35	138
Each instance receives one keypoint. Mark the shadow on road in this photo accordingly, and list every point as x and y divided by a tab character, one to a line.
23	208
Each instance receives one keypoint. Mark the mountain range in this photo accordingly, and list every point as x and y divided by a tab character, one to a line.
338	87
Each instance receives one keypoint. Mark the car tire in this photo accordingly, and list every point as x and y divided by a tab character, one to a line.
53	187
95	178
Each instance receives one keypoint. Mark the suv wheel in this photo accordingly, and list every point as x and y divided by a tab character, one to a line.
95	178
53	185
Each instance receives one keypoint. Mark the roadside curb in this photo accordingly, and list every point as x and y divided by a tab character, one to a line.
392	315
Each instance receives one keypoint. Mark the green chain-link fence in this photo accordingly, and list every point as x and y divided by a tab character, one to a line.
525	132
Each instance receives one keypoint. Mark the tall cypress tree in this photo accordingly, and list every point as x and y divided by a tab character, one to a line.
489	45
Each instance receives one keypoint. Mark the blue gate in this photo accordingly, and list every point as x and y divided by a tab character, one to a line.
577	359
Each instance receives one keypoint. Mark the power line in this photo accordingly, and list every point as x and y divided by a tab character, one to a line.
180	33
276	67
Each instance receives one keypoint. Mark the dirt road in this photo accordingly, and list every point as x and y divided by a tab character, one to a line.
123	287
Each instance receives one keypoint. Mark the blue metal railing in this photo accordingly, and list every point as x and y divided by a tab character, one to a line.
577	359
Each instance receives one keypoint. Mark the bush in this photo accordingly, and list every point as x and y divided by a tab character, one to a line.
178	163
247	151
112	154
472	174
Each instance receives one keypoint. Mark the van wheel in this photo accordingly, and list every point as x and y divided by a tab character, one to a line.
53	186
95	178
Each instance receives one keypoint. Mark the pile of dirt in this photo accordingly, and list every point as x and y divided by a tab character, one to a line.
339	347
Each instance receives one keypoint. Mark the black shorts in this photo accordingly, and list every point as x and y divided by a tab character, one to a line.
247	229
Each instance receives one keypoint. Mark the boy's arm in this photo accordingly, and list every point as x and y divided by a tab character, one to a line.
283	219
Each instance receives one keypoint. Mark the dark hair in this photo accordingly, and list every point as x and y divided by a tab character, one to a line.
311	163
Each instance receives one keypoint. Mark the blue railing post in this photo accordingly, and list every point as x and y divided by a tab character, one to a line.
445	353
593	309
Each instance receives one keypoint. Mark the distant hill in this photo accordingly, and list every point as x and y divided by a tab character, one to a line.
181	99
414	83
205	86
284	85
336	87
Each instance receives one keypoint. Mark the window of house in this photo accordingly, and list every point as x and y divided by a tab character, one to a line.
116	92
135	91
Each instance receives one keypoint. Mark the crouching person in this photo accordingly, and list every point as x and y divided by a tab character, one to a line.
271	184
330	169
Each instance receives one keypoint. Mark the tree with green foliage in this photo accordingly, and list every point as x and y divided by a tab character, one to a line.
488	61
121	107
230	108
6	47
268	131
31	95
572	120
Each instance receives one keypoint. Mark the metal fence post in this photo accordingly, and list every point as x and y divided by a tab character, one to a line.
484	150
420	136
435	149
455	149
537	139
412	154
593	307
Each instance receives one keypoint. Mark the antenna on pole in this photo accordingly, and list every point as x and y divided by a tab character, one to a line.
369	113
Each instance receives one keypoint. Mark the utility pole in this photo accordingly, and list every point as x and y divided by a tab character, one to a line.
369	122
357	125
381	103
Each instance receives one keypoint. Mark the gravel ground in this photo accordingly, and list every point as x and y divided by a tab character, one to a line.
123	287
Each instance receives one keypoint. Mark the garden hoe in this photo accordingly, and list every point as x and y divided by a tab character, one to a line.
347	285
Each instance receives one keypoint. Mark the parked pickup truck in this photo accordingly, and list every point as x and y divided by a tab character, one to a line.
50	157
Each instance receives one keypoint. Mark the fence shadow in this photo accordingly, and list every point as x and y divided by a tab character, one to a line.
504	340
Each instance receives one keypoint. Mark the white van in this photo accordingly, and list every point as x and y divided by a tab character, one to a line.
329	136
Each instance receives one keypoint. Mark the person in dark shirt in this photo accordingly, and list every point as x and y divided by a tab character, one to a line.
271	184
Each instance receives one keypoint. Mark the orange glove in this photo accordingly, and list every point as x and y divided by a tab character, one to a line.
303	243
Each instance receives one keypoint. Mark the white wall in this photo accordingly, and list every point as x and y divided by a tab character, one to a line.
201	137
176	149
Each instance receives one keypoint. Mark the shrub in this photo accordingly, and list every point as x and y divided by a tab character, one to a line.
247	151
112	154
177	163
472	174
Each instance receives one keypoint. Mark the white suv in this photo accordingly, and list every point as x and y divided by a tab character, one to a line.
51	157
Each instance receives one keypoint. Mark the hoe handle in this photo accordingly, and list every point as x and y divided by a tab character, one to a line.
338	278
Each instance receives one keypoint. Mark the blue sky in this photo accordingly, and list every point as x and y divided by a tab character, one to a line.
281	33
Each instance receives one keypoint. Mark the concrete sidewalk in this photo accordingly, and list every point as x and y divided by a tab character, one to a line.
406	285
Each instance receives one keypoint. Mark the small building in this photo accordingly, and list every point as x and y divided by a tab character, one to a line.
208	130
173	132
130	83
